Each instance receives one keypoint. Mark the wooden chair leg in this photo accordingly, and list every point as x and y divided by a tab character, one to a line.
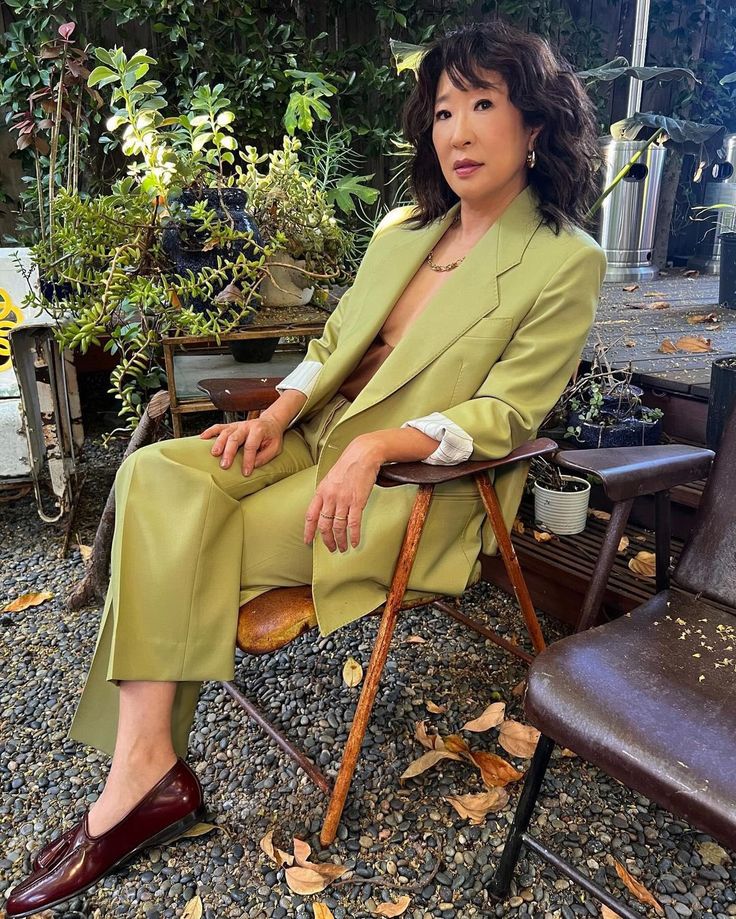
511	562
378	659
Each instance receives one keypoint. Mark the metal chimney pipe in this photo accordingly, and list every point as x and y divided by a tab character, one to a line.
638	55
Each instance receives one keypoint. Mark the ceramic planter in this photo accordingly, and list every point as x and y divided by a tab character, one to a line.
186	256
631	431
287	286
562	512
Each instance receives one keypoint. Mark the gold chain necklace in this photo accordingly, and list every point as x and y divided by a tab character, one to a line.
434	266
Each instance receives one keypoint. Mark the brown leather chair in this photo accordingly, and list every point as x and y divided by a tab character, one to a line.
280	615
673	661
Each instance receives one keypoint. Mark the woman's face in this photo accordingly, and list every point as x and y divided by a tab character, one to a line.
480	139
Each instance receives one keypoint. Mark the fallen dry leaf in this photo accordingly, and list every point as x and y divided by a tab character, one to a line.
428	741
518	526
644	564
518	690
393	909
426	761
637	889
541	536
518	739
436	709
691	273
712	853
27	600
277	856
630	342
477	807
713	328
694	344
629	287
415	640
305	880
607	913
655	293
570	754
322	911
193	909
491	718
302	851
352	672
199	829
702	317
494	770
457	744
623	544
84	551
312	877
599	515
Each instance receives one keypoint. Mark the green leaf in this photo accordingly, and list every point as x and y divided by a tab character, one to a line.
225	118
406	56
200	140
101	76
102	54
619	67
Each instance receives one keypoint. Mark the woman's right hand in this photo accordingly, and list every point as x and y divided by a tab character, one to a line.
261	438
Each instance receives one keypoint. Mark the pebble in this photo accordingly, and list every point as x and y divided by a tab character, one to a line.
387	830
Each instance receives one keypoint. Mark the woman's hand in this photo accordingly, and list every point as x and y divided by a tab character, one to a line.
336	509
261	438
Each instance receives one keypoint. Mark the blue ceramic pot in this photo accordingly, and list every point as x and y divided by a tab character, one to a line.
621	432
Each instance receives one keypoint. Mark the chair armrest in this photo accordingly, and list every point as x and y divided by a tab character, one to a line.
241	394
424	474
627	472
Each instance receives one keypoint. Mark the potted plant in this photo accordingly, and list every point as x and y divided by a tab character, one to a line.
127	286
602	408
560	501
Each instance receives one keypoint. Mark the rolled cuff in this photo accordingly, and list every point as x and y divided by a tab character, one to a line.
303	378
455	444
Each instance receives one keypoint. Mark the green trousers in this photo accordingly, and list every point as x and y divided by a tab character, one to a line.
192	543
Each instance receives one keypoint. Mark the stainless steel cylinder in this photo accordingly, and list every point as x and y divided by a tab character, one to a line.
629	214
721	189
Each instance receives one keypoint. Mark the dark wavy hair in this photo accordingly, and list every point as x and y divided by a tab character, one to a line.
542	85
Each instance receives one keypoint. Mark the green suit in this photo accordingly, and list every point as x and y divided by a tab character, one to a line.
492	350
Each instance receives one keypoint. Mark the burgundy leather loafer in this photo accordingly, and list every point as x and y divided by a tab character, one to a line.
75	861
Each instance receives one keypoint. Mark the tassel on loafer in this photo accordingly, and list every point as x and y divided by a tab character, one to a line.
75	861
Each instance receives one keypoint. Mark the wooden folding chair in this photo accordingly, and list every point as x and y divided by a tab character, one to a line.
272	620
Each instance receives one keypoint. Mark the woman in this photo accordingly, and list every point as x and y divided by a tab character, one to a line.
465	322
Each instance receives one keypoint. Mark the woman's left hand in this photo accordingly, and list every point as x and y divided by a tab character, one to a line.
336	509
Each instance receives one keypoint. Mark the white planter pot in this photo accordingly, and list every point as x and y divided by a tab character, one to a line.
287	287
562	512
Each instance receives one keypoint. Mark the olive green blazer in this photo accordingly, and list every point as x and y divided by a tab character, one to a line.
492	350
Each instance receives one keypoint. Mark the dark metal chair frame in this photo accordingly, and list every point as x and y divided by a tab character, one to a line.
625	474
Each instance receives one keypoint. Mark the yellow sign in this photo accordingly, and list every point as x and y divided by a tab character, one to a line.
10	316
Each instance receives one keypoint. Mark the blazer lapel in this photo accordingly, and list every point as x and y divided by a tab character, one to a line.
470	293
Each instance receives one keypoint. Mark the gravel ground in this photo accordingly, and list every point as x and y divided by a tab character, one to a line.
398	840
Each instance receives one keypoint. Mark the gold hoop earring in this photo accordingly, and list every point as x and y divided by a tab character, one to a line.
531	159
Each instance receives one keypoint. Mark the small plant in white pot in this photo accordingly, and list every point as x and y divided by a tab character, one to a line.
560	501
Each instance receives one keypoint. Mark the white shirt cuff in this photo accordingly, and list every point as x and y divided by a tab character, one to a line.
303	378
455	446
